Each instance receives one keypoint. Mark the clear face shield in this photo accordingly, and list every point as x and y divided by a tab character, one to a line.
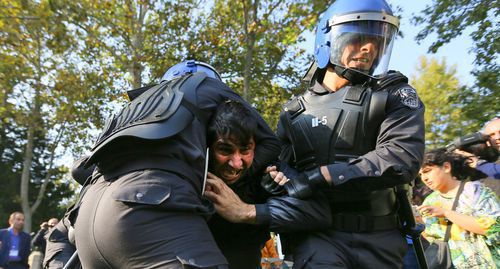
362	45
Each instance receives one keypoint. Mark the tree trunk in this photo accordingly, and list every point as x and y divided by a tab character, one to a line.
33	121
3	125
250	24
46	180
137	41
25	177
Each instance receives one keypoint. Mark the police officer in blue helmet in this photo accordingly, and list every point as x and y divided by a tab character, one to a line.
143	205
354	136
355	39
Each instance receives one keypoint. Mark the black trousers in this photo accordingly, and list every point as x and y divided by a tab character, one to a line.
139	221
332	249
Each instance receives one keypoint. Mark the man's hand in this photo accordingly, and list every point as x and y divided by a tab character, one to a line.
473	159
273	181
44	225
227	203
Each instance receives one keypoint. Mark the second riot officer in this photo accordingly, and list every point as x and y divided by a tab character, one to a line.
143	205
354	135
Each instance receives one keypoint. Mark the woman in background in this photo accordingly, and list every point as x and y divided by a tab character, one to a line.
475	226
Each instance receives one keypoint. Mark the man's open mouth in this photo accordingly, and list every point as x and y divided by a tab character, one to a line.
232	174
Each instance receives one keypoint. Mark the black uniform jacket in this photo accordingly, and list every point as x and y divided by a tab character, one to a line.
395	160
184	153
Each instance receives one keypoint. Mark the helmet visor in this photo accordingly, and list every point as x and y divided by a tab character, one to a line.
362	45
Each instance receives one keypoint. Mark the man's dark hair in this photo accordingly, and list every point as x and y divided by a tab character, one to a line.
459	164
232	120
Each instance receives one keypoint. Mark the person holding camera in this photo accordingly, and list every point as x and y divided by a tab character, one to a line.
473	240
481	151
492	129
39	240
491	168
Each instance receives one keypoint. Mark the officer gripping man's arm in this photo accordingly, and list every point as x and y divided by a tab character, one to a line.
356	134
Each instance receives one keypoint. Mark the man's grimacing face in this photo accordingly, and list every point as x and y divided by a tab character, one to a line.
229	160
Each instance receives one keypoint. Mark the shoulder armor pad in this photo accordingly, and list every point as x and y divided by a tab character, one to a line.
391	78
294	107
158	113
132	94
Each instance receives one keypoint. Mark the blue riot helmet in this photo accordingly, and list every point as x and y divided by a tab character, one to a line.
356	38
190	66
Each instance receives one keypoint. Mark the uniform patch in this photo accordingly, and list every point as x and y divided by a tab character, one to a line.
409	97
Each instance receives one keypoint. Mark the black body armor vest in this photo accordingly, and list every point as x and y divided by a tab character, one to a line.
334	127
339	127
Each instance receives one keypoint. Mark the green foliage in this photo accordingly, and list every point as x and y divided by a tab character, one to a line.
128	36
437	85
65	64
449	19
254	45
45	94
451	110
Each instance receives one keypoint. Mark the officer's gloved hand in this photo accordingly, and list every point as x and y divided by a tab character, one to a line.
268	183
302	185
299	187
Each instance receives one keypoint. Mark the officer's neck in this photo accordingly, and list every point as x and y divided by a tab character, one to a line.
333	82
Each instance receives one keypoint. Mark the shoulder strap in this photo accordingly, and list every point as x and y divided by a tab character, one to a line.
376	109
391	78
455	203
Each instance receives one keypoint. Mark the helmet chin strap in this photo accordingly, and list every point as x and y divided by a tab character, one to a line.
353	75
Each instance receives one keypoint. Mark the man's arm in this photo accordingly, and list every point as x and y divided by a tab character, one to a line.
267	145
39	239
26	248
490	169
281	214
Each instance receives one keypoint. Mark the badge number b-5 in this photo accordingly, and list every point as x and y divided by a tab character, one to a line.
315	122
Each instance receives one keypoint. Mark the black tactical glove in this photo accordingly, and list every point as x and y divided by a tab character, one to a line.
302	185
268	183
299	187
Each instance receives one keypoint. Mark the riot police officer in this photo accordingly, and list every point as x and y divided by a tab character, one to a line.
143	205
357	132
354	135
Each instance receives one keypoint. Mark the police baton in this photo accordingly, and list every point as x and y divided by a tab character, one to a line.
72	262
409	224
